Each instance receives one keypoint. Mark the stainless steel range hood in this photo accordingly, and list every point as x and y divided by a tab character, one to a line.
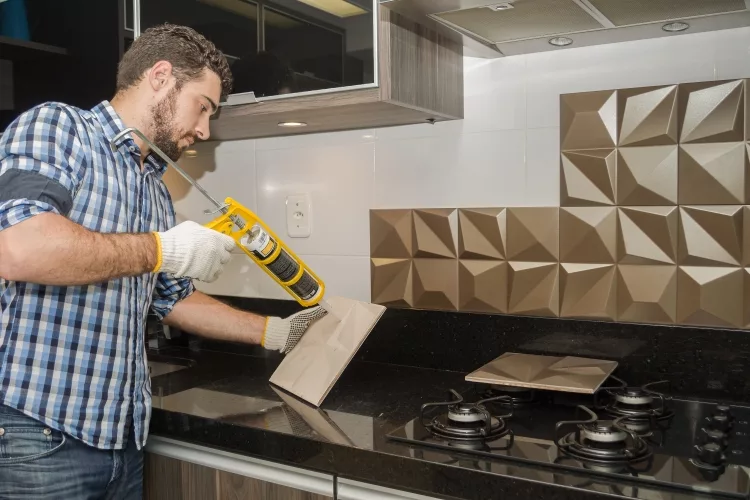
504	28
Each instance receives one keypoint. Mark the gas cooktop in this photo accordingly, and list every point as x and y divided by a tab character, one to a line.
625	436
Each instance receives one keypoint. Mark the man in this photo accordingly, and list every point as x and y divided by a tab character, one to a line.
87	249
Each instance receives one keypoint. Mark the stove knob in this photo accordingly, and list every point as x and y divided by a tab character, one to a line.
720	423
714	436
710	454
724	411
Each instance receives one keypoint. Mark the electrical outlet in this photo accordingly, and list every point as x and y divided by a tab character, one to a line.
298	215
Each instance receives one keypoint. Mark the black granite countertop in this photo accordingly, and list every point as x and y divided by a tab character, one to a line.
225	401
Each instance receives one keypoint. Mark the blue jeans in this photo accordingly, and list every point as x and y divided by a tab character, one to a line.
40	463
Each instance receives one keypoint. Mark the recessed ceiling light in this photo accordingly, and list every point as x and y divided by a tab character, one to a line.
191	153
560	41
675	27
501	6
292	124
338	8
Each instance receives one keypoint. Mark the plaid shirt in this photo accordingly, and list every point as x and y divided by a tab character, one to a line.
74	357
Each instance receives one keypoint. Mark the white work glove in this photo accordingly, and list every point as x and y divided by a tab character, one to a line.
282	334
193	251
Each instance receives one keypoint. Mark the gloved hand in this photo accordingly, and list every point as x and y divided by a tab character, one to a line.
282	334
194	251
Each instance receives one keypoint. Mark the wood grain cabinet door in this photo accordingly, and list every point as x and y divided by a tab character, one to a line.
236	487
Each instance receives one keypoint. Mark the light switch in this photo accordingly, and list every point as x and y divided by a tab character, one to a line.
298	215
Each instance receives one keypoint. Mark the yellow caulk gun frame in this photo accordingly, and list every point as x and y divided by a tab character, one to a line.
236	221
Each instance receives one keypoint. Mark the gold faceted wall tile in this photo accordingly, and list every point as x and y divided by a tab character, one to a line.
481	233
587	290
588	177
533	288
391	282
483	286
588	235
710	296
588	120
747	297
533	234
435	233
647	294
710	235
390	233
746	237
647	235
647	175
712	111
713	174
648	116
436	284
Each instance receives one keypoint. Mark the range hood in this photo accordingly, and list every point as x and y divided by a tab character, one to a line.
512	27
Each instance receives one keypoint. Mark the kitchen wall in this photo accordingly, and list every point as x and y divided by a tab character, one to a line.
504	153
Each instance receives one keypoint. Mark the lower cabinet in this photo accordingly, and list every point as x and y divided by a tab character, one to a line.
174	470
355	490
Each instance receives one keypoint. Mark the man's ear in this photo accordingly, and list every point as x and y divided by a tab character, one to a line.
160	75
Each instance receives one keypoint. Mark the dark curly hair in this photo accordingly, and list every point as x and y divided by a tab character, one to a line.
188	51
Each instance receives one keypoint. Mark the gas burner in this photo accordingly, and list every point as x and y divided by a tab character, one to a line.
598	441
641	408
466	422
515	397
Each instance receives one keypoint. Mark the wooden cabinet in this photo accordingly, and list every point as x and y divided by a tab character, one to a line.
174	470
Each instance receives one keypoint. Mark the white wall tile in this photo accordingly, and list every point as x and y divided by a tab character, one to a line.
344	276
339	181
674	59
543	167
241	277
733	54
345	137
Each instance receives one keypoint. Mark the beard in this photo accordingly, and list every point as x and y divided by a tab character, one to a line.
166	136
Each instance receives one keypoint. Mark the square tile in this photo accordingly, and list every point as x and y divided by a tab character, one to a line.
647	175
648	116
436	284
494	94
482	233
391	233
392	282
241	277
533	288
588	291
647	235
646	294
710	296
338	180
710	235
711	111
588	235
543	167
747	297
588	178
713	173
746	234
483	286
435	233
588	120
533	234
731	56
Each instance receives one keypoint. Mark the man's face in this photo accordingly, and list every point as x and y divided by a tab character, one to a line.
182	116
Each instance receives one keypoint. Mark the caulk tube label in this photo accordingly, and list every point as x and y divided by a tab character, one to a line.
260	242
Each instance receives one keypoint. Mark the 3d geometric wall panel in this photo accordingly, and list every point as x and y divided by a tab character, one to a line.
533	289
588	290
391	233
747	297
646	294
710	235
713	174
391	282
647	235
435	233
483	286
588	235
436	284
588	121
533	234
746	238
588	177
710	296
481	233
712	112
648	116
647	175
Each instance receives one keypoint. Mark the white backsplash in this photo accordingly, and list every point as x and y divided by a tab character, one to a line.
504	153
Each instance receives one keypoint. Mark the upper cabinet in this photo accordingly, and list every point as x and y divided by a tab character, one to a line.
303	66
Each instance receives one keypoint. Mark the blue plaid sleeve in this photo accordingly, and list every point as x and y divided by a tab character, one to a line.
42	143
168	292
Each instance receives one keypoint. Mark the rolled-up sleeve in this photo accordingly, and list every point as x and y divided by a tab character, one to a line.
168	292
42	162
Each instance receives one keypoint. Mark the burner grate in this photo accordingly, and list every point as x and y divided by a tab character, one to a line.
465	422
642	408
